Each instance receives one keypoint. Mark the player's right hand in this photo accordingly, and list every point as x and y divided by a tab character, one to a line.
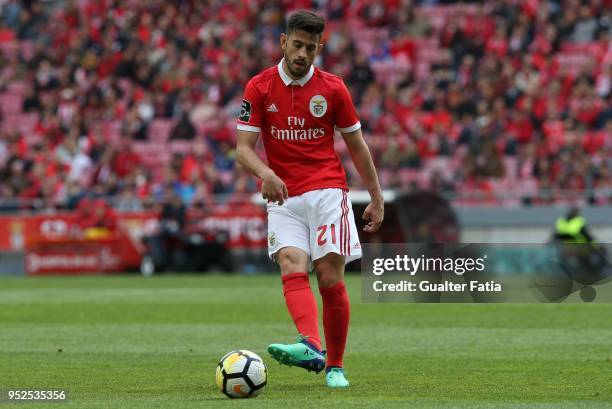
273	189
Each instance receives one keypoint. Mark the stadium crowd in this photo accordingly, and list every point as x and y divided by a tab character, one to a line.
123	99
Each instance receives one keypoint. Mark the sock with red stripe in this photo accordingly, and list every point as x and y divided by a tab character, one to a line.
336	315
302	306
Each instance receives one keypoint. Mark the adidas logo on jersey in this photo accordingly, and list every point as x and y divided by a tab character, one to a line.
272	108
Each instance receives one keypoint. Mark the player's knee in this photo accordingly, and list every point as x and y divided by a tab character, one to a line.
288	266
291	262
329	275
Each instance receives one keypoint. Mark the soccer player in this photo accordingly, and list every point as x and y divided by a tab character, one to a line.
296	107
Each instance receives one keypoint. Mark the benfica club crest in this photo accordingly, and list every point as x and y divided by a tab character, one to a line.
271	239
318	106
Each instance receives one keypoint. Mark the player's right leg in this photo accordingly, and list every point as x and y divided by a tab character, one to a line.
288	245
306	352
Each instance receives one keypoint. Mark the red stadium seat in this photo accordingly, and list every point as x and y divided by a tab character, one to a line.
11	103
16	87
24	123
159	130
182	147
573	63
112	131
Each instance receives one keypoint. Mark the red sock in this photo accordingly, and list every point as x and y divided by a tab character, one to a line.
302	306
336	314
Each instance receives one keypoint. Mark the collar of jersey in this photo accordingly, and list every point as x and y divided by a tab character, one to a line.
288	80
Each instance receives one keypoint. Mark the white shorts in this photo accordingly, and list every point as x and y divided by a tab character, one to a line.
318	222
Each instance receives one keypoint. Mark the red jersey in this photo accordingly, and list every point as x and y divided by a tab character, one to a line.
296	119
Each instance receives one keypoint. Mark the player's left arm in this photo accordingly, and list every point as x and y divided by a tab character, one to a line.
360	153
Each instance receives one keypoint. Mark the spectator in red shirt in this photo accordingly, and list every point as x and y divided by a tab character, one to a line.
126	159
97	220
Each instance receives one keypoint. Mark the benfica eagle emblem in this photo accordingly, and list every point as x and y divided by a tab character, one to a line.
318	106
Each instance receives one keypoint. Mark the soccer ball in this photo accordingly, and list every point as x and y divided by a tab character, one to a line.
241	374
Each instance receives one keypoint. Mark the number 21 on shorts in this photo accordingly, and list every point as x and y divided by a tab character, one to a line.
321	238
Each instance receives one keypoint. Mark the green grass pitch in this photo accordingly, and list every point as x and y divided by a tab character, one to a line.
133	342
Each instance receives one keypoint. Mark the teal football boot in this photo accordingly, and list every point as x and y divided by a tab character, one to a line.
334	377
302	354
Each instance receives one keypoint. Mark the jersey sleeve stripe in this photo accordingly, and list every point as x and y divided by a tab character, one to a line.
352	128
249	128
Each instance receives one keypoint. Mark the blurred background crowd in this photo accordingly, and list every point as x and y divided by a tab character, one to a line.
501	102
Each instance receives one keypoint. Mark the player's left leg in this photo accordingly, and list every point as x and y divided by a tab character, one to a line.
336	314
334	241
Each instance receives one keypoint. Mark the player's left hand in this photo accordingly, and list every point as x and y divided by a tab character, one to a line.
374	215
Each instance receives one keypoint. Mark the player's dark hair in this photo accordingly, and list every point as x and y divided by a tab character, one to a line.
307	21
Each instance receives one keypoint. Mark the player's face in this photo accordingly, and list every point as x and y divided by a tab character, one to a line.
300	48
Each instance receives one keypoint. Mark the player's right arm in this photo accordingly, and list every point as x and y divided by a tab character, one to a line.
273	189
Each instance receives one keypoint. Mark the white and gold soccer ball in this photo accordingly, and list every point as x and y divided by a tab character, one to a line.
241	374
